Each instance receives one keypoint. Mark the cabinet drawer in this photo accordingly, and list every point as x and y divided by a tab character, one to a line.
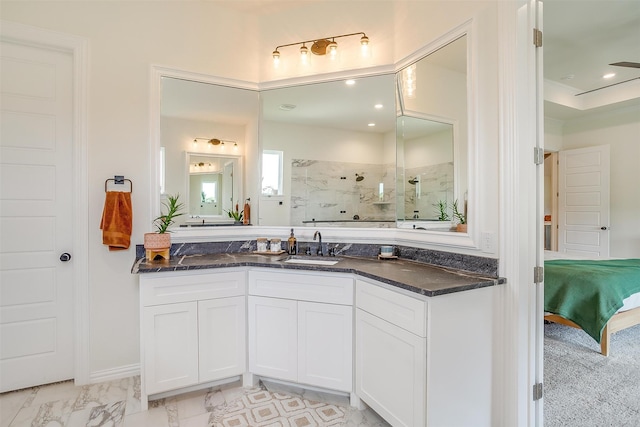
399	309
159	288
302	286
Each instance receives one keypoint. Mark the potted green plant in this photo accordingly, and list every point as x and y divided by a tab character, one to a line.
236	215
442	210
160	240
461	217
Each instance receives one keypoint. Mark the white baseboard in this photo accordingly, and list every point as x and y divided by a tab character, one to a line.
114	374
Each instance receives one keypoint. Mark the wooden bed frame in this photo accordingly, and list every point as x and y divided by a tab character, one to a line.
619	321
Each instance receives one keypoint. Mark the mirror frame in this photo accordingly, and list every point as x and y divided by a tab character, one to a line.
423	238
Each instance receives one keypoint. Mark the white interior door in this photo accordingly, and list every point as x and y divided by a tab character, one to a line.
36	288
583	201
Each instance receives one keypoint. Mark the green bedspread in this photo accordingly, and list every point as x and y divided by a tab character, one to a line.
589	292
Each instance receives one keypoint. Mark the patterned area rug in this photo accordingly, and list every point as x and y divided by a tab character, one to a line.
260	407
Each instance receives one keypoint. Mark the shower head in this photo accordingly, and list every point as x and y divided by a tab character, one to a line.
414	181
359	177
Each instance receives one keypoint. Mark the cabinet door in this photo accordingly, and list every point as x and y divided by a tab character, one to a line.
390	370
325	345
170	336
273	337
221	329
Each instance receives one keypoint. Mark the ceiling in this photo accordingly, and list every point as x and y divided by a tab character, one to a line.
580	40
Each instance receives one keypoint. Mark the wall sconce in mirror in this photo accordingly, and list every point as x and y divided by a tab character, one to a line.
215	142
321	46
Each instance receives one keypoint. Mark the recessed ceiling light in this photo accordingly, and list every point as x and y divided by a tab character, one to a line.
287	107
608	75
568	77
377	106
371	125
350	82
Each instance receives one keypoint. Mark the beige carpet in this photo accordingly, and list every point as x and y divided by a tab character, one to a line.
582	387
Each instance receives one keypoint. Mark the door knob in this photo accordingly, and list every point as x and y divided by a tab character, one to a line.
65	257
604	228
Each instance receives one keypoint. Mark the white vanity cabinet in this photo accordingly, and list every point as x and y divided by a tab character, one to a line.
424	361
301	327
193	328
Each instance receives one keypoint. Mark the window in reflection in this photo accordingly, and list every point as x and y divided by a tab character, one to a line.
272	172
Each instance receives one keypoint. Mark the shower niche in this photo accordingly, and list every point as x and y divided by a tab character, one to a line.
337	193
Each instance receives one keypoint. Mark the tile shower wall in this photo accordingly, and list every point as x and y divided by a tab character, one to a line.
435	183
328	191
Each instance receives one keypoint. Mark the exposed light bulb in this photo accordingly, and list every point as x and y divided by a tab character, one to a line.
235	146
304	53
333	48
195	142
609	75
364	45
276	57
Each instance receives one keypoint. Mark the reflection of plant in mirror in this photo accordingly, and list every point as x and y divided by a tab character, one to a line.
461	217
163	222
236	215
442	210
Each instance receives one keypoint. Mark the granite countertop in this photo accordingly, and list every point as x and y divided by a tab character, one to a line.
424	279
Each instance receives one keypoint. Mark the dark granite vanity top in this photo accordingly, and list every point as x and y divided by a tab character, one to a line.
426	279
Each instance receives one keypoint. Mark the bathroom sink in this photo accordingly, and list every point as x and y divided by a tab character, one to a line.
310	260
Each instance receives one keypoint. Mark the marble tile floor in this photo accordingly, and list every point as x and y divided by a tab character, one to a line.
117	404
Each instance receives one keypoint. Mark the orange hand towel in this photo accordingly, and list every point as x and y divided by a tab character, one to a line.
117	217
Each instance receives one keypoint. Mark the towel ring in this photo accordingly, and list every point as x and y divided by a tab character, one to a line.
119	180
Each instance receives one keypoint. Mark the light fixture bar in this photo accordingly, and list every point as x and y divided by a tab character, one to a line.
213	141
321	45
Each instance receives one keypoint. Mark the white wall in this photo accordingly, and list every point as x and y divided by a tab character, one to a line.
220	39
621	130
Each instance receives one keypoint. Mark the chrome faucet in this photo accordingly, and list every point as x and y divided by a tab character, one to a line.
319	251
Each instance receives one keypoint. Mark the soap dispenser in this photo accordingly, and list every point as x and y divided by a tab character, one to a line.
293	244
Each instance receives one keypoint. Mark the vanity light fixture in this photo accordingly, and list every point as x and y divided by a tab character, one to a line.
213	141
321	46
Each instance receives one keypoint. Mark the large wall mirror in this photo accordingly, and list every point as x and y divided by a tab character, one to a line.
361	155
336	140
432	139
204	131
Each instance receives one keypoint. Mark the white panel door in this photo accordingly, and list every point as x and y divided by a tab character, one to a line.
170	337
222	344
325	346
36	289
583	201
273	337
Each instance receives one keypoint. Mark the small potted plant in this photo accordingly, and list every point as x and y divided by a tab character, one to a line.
442	210
236	215
460	217
160	240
